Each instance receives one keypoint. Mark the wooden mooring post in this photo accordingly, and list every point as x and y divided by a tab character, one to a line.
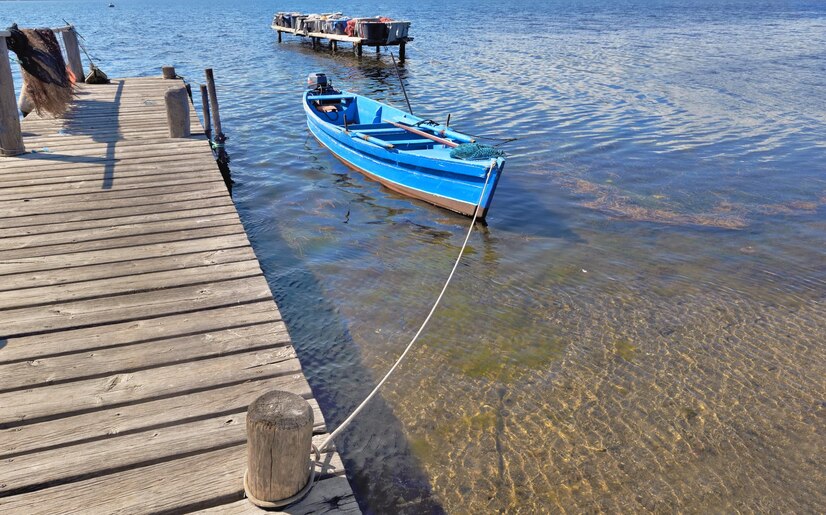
177	112
73	53
177	106
11	138
213	101
205	107
279	440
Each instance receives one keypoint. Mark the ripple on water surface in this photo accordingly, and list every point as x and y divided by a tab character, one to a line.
640	327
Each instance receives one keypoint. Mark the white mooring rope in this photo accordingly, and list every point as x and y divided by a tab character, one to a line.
355	412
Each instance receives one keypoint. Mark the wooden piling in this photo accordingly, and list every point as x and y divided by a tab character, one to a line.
73	54
177	112
169	72
279	441
205	108
213	101
11	138
402	46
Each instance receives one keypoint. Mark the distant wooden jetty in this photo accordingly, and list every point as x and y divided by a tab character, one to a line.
136	325
333	40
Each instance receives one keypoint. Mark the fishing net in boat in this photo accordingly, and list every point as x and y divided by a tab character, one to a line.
475	151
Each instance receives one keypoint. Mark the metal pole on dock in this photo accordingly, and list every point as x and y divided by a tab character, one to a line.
11	138
279	441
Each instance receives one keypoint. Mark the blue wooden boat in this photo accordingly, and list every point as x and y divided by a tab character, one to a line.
401	151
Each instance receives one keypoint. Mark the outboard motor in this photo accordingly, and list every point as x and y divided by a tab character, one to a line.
318	83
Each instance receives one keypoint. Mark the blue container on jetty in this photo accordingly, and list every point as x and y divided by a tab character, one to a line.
339	26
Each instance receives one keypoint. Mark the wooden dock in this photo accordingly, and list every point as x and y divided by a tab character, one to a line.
136	325
334	39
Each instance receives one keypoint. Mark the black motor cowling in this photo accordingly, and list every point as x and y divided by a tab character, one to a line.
317	81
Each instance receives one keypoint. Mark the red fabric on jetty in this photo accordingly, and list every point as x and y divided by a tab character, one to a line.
351	28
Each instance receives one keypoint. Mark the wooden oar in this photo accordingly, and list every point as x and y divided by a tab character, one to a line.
423	134
372	139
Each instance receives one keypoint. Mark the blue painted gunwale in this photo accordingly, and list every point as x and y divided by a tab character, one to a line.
422	170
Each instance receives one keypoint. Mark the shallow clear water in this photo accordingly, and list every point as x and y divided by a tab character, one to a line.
641	325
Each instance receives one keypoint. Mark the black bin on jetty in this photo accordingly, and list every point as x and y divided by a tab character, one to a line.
374	32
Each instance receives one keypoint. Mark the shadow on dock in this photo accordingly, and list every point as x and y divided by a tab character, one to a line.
76	119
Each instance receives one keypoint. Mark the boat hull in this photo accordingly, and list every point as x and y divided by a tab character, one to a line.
463	187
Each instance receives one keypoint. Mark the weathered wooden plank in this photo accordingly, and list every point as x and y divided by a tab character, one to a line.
106	164
55	177
126	244
94	264
104	110
113	135
331	495
100	192
69	231
123	451
85	313
88	152
62	279
98	152
95	184
194	482
79	232
159	157
103	232
114	199
40	223
73	128
69	142
113	124
144	416
54	295
93	339
23	407
128	358
114	117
